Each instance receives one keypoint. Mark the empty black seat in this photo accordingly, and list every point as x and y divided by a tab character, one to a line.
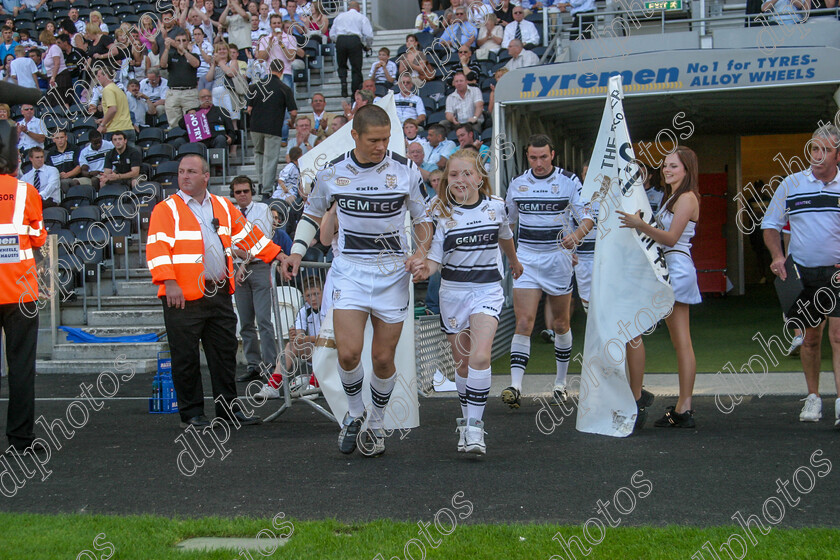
78	195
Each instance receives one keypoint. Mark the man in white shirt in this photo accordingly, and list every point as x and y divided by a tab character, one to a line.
464	105
45	178
409	105
521	29
73	15
30	130
352	32
92	157
581	11
519	57
153	90
24	69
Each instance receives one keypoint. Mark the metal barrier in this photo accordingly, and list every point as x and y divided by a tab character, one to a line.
432	353
286	302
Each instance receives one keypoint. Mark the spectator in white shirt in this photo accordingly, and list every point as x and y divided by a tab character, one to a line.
24	69
384	71
464	105
73	14
303	139
519	57
153	90
521	29
265	23
582	12
45	178
351	32
426	20
408	104
30	130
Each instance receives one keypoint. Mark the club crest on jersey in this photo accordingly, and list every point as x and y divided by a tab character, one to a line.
391	181
336	295
555	189
523	188
342	181
491	213
453	323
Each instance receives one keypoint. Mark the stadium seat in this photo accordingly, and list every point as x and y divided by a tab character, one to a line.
430	104
109	194
435	90
158	154
87	123
148	192
381	90
485	83
80	137
65	237
149	136
133	19
435	117
487	136
424	40
82	217
301	76
176	136
55	217
78	195
167	174
125	9
192	148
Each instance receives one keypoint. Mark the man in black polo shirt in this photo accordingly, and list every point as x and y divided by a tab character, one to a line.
122	164
66	160
267	105
183	82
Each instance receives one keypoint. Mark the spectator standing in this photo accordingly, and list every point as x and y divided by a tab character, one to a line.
30	130
116	116
169	30
519	57
58	76
409	105
238	24
182	94
267	110
44	178
352	32
521	29
122	164
24	69
21	209
464	105
253	286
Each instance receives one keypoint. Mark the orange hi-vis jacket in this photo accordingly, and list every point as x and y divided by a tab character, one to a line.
21	229
175	250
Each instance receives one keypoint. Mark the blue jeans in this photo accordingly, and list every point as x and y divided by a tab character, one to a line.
289	80
433	294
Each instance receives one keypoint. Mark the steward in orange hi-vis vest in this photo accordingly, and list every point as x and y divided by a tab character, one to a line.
175	250
21	231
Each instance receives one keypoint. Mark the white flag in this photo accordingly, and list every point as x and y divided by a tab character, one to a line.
630	290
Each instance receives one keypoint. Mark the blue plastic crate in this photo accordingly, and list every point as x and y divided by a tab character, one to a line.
163	399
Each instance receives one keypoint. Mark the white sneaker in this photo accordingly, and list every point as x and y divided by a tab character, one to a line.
795	344
311	396
812	410
837	413
461	427
268	392
474	437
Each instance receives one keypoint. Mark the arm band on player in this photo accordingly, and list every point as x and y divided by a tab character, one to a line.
304	234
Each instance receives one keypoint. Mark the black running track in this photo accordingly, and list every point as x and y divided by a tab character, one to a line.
123	461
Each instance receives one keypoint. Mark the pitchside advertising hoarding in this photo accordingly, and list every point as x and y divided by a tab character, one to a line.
673	71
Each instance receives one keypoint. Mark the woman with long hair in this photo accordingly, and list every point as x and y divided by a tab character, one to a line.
318	25
471	226
676	223
95	17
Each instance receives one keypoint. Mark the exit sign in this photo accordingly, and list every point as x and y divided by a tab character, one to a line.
666	5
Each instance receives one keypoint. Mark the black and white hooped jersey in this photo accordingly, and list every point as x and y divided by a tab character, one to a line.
371	201
466	243
545	208
813	209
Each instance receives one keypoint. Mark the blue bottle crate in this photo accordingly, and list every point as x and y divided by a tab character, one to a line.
163	399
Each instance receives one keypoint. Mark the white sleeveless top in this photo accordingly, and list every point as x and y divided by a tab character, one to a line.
664	218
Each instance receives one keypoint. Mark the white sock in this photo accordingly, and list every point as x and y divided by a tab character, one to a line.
478	387
562	353
461	384
520	352
352	381
380	394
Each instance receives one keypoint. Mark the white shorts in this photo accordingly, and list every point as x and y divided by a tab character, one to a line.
458	304
367	288
549	271
583	276
683	277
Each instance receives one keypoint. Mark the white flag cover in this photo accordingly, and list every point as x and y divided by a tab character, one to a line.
403	410
630	290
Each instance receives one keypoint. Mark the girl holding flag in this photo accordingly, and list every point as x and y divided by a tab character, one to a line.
676	222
